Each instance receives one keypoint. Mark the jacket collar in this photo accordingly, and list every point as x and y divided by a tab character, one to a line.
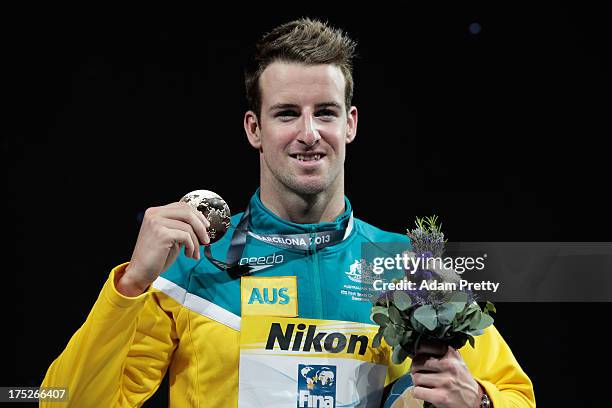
264	221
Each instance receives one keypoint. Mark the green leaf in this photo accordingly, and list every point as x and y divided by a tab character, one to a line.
490	307
402	300
380	319
418	341
426	315
378	338
408	337
471	309
416	325
475	320
458	300
394	315
446	313
471	341
399	355
441	331
391	336
457	341
485	321
380	315
379	309
464	325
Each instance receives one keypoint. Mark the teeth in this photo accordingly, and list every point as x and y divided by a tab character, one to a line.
302	157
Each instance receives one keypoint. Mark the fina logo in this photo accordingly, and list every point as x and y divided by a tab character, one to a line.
354	272
316	386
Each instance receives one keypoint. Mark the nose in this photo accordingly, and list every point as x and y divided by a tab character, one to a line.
309	134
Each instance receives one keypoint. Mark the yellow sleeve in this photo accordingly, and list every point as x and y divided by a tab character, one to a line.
494	367
119	355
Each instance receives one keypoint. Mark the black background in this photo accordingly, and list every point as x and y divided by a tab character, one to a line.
502	134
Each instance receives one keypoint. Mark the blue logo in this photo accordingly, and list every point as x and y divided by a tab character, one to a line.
316	386
270	299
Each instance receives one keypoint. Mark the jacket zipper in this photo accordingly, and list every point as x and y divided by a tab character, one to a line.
316	277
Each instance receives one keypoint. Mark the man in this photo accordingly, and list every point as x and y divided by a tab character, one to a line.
266	310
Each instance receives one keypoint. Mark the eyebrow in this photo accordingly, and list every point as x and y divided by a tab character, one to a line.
281	106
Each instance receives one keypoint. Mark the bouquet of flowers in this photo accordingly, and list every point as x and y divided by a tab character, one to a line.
410	317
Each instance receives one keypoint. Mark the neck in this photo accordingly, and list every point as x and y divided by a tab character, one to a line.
304	209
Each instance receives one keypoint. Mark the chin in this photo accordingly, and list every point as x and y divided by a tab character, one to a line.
305	184
309	187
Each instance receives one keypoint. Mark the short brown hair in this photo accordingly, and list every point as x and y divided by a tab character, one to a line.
305	41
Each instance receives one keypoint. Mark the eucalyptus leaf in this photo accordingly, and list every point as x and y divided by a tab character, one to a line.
402	300
426	315
377	338
457	341
418	342
395	315
472	314
441	331
472	308
391	336
446	313
459	301
471	341
399	355
408	337
485	321
457	321
416	325
458	296
475	320
491	307
380	319
464	325
380	309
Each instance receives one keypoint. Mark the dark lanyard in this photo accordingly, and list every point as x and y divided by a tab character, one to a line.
302	242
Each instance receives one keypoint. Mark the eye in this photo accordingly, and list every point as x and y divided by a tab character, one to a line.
327	113
286	115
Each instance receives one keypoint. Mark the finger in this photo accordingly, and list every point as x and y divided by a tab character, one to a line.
454	353
179	225
201	232
432	395
182	204
182	238
185	213
198	213
428	380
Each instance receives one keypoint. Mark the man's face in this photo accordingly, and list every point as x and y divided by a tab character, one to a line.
303	127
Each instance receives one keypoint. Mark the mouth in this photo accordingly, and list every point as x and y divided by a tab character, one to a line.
308	157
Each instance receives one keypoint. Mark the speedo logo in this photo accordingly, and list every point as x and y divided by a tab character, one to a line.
314	341
262	262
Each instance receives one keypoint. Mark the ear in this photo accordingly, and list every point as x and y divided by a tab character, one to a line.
251	127
351	124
